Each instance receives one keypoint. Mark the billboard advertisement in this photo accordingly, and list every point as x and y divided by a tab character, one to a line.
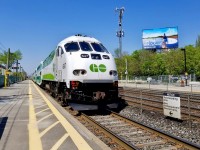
160	38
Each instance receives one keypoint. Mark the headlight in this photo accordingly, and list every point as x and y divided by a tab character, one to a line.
79	72
83	72
76	72
113	72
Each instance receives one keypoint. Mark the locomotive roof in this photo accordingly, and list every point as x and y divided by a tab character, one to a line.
77	38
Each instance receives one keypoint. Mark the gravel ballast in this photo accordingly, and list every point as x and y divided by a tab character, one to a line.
189	131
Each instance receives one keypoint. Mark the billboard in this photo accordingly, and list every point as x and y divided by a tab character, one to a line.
160	38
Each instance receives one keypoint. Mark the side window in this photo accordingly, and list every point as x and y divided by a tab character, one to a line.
61	50
71	47
103	47
57	52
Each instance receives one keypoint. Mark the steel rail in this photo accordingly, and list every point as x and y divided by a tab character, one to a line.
113	136
179	141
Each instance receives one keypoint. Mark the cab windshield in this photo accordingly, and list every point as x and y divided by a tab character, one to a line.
85	46
71	47
99	47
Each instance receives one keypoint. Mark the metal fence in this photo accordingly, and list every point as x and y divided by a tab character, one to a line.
164	82
11	80
164	79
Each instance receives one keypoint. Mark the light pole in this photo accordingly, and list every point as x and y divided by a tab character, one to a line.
120	32
126	72
184	51
6	82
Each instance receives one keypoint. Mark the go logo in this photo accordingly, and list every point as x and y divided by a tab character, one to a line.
95	68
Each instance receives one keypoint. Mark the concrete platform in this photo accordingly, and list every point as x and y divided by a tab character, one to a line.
31	119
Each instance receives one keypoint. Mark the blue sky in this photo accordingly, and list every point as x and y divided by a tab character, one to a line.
37	26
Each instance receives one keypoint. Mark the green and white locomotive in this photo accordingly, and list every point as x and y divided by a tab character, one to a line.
81	73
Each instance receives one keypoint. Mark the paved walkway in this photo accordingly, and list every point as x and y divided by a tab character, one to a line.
31	119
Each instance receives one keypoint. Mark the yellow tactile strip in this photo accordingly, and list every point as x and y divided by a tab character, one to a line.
35	136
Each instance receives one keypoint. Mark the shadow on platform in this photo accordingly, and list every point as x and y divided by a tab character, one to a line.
3	122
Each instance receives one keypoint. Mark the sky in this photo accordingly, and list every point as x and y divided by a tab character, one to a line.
35	27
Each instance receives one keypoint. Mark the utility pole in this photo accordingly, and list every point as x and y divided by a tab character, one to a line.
7	67
120	32
186	74
17	70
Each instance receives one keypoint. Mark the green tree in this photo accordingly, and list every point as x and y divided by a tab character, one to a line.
3	57
198	41
192	57
158	65
136	62
145	62
117	53
196	69
174	62
120	63
17	55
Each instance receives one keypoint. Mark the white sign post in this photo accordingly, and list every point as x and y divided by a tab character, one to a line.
171	105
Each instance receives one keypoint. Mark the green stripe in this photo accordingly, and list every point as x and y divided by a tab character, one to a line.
48	77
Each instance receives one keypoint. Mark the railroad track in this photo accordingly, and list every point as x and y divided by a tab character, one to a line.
153	100
121	133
